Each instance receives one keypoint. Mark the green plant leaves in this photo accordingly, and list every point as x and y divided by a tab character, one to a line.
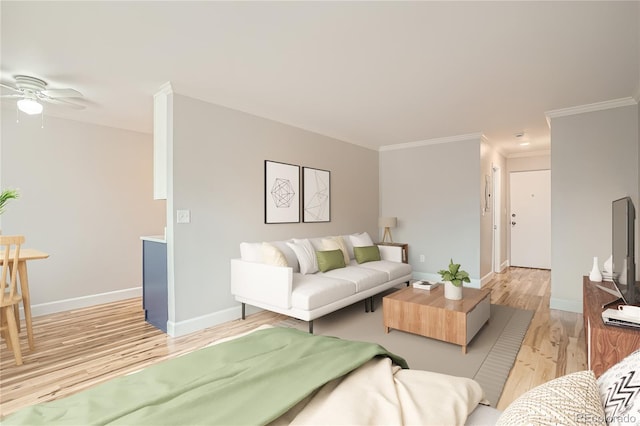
6	195
454	274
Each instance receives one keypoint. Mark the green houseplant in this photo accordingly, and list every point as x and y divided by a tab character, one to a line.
453	279
6	195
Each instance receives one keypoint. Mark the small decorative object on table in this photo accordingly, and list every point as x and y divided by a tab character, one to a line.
453	279
595	274
425	285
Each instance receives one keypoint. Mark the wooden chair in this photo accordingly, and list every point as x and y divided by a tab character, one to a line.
10	297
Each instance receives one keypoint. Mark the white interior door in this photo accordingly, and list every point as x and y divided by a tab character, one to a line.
531	219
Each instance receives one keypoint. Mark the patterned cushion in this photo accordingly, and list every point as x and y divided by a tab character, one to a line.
572	399
620	391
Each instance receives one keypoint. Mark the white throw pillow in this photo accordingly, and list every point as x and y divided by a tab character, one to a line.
271	255
336	243
251	252
620	391
361	240
306	255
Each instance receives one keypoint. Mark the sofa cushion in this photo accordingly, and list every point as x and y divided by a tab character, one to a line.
366	254
394	270
271	255
619	388
306	255
363	278
314	291
330	259
336	243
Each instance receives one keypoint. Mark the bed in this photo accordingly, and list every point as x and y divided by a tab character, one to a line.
273	375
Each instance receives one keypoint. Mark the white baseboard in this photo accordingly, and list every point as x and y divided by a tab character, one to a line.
83	302
504	265
566	305
486	278
180	328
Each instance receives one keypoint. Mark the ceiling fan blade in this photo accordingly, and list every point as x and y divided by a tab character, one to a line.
10	88
63	103
62	93
12	96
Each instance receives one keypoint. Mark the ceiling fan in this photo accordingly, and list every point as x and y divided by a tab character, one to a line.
31	92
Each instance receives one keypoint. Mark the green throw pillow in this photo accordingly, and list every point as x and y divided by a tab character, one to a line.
330	259
366	254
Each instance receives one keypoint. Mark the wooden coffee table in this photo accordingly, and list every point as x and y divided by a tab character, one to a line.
429	314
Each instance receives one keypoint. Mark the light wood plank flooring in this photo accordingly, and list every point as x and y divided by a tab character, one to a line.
77	349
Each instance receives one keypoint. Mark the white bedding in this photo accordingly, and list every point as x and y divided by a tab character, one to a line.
380	393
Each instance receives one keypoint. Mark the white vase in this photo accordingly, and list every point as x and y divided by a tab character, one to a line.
451	291
595	274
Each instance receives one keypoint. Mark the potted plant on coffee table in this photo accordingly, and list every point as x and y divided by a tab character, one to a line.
453	279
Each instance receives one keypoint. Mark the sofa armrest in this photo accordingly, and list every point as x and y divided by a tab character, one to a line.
391	253
268	284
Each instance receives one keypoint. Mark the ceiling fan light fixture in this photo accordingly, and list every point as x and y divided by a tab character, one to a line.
30	106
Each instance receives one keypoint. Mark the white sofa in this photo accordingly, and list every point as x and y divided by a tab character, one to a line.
291	289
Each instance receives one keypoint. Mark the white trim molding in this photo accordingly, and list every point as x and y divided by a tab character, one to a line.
539	153
84	302
581	109
416	144
180	328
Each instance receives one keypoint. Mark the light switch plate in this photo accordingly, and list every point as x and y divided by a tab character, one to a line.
183	216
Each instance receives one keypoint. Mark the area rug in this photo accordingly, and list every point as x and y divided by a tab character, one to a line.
489	358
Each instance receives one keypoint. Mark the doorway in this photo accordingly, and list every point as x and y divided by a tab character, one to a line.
530	194
497	219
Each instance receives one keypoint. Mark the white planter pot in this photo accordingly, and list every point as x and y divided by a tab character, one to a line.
452	292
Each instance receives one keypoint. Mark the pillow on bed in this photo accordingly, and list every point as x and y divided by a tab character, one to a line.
366	254
572	399
271	255
330	259
306	255
620	391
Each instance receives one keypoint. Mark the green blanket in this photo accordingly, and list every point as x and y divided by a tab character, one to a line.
250	380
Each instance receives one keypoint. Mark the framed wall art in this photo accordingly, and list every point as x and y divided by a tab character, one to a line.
316	194
281	192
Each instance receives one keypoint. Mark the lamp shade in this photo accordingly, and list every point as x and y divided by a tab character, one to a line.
29	106
387	222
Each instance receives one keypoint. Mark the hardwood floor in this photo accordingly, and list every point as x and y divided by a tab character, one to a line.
80	348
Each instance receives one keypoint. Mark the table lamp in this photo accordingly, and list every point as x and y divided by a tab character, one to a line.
387	223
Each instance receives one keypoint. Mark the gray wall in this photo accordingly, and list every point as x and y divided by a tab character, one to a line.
594	160
86	198
218	174
433	191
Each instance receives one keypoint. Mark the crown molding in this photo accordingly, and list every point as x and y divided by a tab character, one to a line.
416	144
581	109
165	89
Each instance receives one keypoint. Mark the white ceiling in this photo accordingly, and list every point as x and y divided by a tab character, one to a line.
370	73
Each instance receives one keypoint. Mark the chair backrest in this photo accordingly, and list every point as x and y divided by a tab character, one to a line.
10	252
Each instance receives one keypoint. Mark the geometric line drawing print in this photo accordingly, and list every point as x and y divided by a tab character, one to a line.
281	192
317	195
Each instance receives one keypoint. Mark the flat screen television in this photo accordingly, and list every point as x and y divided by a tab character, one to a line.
623	243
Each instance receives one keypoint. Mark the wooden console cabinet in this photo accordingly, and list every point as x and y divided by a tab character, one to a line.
606	344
